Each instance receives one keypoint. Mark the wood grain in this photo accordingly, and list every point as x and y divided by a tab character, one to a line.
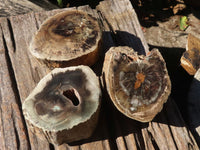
25	73
13	134
114	131
16	7
123	23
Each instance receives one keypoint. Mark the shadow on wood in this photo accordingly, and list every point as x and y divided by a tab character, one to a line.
121	38
119	125
126	39
113	124
180	79
194	107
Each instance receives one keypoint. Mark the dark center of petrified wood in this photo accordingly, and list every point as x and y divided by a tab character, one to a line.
66	36
138	82
78	27
62	96
72	95
64	29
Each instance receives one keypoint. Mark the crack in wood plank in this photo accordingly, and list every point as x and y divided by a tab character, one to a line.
9	98
11	35
9	47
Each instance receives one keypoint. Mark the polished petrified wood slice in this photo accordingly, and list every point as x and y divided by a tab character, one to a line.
69	38
138	85
190	59
64	105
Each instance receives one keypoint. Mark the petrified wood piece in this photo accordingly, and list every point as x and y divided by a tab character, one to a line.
69	38
138	85
64	105
190	59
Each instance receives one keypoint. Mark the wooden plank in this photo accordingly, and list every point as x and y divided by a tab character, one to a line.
170	131
180	132
16	7
16	42
13	134
123	22
115	131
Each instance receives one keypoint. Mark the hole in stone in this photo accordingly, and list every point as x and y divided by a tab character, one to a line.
72	94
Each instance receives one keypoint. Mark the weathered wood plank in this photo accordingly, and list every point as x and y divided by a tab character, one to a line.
182	136
16	42
170	131
13	134
16	7
122	21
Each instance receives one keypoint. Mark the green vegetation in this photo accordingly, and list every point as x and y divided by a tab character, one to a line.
60	3
183	23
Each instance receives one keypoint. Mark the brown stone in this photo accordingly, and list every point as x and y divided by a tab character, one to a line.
138	85
69	38
64	105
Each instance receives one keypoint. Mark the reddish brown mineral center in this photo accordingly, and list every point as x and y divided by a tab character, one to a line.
140	77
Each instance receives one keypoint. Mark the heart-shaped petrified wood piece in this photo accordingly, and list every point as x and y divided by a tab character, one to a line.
64	105
69	38
138	85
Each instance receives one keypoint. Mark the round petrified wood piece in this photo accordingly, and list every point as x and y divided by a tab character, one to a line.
69	38
64	105
138	85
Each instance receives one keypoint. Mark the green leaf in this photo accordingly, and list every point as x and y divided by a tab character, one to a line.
60	3
183	23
